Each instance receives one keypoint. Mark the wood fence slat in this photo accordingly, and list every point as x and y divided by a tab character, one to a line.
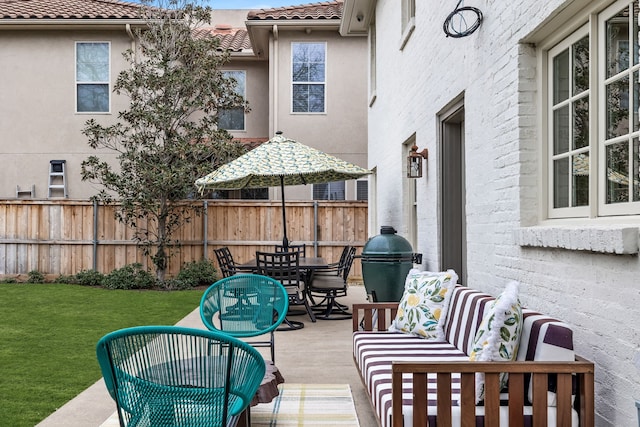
57	236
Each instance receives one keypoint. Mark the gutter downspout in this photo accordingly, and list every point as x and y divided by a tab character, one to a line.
274	78
127	28
276	74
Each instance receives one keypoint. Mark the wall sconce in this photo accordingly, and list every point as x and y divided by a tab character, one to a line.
414	162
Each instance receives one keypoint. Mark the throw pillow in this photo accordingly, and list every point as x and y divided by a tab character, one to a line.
423	307
498	335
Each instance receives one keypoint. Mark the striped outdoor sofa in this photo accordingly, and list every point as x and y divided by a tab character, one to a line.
412	381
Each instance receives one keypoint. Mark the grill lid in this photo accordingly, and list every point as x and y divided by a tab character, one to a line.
387	245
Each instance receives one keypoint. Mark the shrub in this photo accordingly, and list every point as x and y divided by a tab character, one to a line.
64	278
197	273
131	276
89	278
34	276
175	284
9	280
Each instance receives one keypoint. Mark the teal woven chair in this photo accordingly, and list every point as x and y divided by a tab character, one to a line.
245	306
173	376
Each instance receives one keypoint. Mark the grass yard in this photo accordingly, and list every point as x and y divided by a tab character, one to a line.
48	334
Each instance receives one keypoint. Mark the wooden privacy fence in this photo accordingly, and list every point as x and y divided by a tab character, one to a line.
67	236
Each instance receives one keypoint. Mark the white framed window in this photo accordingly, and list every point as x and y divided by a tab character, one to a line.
592	104
329	191
93	69
308	77
408	16
233	119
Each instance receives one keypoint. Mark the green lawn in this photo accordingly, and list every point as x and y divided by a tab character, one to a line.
48	335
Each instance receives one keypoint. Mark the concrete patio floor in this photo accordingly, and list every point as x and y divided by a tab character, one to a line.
320	353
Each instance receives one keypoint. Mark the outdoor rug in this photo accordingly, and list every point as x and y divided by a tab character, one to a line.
303	405
307	405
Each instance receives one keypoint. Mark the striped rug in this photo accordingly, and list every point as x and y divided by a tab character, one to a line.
307	405
303	405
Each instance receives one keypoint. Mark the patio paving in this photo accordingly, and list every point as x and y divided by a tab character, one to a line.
320	353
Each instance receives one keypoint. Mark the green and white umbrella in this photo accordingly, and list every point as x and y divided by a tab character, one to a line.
279	162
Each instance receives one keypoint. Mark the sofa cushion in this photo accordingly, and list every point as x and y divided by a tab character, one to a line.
498	335
544	339
466	310
374	353
423	307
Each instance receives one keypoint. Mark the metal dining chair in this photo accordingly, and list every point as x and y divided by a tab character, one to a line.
171	376
302	248
245	306
228	266
330	284
285	268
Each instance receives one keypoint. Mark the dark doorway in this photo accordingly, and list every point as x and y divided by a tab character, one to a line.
452	207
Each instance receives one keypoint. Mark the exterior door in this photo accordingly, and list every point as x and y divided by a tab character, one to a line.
453	248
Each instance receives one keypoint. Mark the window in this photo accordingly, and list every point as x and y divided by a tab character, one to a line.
92	77
233	119
243	194
329	191
408	14
408	21
594	165
362	189
308	77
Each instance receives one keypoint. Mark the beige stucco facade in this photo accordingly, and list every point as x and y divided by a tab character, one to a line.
38	122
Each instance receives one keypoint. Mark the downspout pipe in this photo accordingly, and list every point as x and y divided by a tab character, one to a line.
95	235
274	79
127	28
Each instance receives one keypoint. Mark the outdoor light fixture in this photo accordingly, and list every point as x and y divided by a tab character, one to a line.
414	162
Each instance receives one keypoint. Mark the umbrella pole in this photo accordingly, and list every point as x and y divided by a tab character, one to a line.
285	241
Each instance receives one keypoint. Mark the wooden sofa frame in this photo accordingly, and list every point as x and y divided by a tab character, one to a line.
378	316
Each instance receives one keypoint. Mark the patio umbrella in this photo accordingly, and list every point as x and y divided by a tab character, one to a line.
279	162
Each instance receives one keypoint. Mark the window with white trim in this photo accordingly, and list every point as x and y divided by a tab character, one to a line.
408	13
233	118
308	77
92	77
593	88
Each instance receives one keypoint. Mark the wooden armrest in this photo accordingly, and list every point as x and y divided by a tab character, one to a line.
564	371
373	316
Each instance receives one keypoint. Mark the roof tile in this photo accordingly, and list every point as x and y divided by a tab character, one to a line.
234	39
322	10
68	9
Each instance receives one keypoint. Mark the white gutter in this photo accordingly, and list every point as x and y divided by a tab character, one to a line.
66	23
274	79
127	28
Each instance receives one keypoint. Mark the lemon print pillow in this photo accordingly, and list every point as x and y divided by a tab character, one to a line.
423	307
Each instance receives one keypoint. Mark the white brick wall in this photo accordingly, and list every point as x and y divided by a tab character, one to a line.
598	293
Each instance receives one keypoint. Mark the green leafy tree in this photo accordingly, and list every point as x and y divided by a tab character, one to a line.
168	137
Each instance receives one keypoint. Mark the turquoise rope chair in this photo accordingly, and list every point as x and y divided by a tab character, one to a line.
244	306
173	376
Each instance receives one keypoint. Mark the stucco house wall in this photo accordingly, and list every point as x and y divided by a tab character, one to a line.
38	122
495	71
342	129
37	113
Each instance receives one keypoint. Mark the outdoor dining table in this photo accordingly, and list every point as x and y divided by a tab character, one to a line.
305	263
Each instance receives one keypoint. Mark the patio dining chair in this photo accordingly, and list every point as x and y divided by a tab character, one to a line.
245	306
228	267
302	248
285	268
175	376
331	284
